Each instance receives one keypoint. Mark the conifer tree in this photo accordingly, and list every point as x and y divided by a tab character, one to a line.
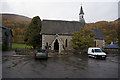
32	35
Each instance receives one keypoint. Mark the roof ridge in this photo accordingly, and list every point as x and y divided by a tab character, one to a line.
59	20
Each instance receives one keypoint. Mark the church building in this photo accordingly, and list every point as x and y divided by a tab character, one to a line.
57	34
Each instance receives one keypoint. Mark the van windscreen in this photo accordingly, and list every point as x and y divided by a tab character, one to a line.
98	50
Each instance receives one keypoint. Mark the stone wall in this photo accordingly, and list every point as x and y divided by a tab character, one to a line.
62	39
100	43
64	42
7	38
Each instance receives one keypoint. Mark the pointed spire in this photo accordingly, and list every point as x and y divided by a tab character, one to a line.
81	11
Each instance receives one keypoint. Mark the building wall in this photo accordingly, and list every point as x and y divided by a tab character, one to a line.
6	38
50	39
9	41
99	43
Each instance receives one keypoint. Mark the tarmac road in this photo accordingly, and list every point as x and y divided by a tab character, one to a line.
76	66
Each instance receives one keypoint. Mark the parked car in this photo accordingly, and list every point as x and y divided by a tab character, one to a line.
41	54
96	53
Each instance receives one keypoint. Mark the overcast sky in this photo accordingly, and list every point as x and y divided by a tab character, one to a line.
95	10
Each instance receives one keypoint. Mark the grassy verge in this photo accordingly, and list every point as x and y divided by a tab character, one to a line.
16	45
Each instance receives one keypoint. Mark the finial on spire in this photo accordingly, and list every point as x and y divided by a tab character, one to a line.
81	4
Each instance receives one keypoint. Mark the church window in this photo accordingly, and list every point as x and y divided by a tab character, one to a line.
47	44
66	43
46	47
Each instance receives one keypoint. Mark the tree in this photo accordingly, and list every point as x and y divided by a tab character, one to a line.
119	34
32	35
109	29
83	39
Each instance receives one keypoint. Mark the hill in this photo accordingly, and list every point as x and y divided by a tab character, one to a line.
117	19
109	29
17	23
15	17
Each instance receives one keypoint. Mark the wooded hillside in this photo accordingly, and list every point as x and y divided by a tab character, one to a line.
109	29
17	23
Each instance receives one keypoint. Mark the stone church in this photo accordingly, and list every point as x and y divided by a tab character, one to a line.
57	34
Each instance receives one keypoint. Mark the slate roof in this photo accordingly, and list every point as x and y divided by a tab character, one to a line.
113	46
65	27
60	27
115	42
98	34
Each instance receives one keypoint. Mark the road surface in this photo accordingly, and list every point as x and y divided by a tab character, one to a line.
76	66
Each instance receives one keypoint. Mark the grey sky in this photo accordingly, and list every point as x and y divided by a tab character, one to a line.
95	10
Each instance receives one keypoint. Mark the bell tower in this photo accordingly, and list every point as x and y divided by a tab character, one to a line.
81	18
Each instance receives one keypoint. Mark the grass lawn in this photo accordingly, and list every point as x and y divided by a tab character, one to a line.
16	45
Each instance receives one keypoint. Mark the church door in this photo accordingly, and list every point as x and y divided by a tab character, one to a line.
56	45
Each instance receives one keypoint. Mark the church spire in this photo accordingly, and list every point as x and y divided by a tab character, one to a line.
81	18
81	11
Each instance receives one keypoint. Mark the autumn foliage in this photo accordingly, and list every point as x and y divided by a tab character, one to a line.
109	29
83	39
18	25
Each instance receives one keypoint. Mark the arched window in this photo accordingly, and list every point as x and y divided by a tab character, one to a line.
47	44
66	43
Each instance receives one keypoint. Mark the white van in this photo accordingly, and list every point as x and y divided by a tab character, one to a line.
96	53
